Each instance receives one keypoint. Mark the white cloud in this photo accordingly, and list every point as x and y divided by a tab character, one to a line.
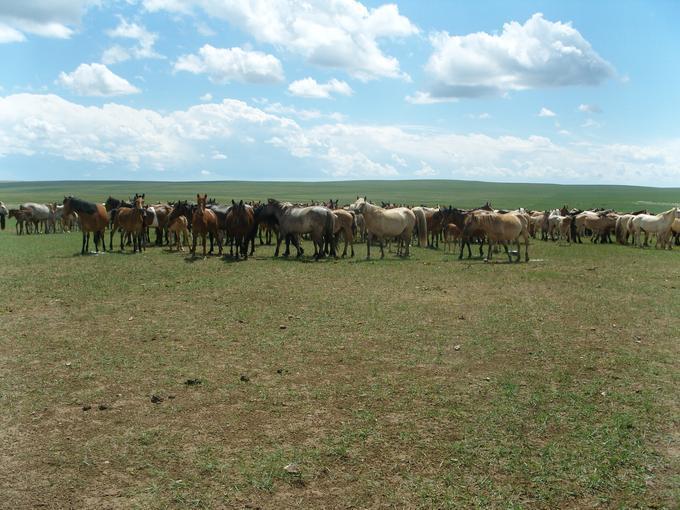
207	97
426	98
342	34
425	170
545	112
205	172
113	134
125	30
115	54
399	160
537	54
308	87
48	125
96	80
218	156
589	108
223	65
304	114
40	17
9	34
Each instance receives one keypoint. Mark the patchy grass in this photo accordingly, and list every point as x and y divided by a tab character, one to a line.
563	391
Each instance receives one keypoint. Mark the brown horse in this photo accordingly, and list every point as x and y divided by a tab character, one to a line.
130	220
345	225
180	229
240	223
204	222
93	219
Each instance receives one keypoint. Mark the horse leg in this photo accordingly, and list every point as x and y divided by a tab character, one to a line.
507	252
489	252
382	250
278	244
368	247
82	250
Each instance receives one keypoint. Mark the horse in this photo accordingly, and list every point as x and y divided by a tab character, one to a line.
293	221
179	227
384	224
130	220
452	234
500	228
659	224
41	214
93	219
240	222
345	224
3	213
423	224
204	222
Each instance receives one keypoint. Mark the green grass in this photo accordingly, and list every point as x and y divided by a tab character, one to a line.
459	193
562	394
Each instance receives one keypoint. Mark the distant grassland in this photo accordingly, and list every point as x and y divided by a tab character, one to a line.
430	192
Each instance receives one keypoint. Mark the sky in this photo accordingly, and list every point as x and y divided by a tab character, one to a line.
576	92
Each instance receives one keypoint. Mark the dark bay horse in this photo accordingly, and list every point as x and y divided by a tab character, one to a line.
93	218
240	222
204	222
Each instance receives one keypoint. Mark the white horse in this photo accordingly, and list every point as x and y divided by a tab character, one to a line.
3	214
39	213
383	224
659	224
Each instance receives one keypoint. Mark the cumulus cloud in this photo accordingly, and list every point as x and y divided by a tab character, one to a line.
537	54
42	18
223	65
308	87
49	125
113	134
126	30
589	108
545	112
342	34
207	97
96	80
303	114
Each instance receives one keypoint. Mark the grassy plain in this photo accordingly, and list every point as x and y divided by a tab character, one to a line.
432	192
425	382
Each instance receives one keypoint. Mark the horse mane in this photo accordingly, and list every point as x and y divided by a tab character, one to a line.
82	206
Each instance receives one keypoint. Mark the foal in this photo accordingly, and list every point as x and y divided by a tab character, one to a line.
130	220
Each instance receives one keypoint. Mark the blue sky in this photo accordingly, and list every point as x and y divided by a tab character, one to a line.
566	92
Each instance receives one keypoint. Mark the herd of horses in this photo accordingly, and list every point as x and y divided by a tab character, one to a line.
238	224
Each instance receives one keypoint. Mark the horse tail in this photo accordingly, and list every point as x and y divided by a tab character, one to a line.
2	221
354	225
421	223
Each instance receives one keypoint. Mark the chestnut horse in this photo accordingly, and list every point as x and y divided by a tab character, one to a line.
130	220
93	218
204	222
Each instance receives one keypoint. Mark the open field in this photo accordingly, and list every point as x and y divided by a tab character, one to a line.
425	382
432	192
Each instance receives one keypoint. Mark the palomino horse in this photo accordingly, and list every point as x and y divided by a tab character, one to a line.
500	228
384	224
240	222
93	218
294	221
659	224
3	213
423	222
204	222
131	221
